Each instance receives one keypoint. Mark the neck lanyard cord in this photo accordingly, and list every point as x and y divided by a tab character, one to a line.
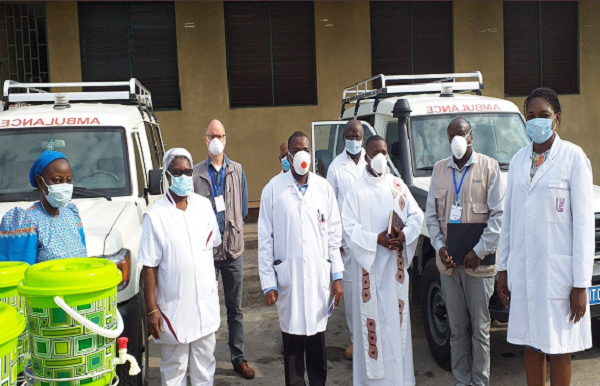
215	192
457	190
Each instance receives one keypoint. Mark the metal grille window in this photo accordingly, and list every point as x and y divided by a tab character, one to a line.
411	37
132	39
23	45
271	53
541	47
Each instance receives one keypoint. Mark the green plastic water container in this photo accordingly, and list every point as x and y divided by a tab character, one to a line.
13	325
60	346
11	273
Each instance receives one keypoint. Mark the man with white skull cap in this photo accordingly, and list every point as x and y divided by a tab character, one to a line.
466	188
179	233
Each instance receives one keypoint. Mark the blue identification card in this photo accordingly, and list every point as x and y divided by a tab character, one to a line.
455	214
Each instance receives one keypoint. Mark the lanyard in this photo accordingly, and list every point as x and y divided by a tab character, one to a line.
215	192
457	190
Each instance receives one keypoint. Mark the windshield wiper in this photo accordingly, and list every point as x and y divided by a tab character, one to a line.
425	168
90	193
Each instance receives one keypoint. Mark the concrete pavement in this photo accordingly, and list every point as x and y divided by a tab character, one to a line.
263	341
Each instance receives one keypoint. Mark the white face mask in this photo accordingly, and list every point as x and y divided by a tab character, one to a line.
59	195
379	164
301	162
216	147
459	146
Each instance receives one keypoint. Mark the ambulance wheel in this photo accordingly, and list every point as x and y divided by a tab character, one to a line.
596	332
435	318
135	316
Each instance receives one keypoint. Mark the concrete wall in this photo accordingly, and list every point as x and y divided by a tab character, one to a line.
342	34
254	134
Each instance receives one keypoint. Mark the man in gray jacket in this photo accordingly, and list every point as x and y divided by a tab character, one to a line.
223	182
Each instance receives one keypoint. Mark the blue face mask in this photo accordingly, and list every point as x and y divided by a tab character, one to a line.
285	164
182	186
539	129
353	147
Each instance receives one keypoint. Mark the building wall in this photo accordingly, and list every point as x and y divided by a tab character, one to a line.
342	35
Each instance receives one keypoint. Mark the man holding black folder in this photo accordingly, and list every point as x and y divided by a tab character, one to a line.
464	215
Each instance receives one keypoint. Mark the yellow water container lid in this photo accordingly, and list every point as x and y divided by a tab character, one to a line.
11	273
13	323
73	276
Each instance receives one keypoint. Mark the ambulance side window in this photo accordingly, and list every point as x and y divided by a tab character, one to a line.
139	164
155	146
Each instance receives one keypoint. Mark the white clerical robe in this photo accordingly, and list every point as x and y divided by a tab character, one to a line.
381	318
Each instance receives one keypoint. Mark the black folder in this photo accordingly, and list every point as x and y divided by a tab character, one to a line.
462	238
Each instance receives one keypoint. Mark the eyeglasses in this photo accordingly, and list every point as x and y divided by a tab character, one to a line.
179	173
220	137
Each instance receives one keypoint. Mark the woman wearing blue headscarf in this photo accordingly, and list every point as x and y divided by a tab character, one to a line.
51	228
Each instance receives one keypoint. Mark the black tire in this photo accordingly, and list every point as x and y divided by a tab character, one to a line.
596	332
435	318
139	351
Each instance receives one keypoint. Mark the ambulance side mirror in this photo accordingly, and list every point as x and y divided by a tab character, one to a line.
155	177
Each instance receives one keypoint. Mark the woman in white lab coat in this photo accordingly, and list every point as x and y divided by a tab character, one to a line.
546	249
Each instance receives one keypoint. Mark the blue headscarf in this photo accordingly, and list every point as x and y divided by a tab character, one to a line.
40	164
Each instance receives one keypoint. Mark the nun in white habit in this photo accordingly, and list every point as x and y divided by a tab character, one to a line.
381	318
176	250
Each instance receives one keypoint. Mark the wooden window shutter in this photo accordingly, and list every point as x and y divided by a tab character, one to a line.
136	39
390	38
432	37
104	34
249	54
560	46
521	47
293	37
154	51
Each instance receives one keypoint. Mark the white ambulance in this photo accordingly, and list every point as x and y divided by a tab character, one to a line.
115	149
412	113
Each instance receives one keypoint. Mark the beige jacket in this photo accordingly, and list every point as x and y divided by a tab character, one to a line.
474	202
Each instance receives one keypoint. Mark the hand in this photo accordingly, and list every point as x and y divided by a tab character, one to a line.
446	260
155	324
391	244
400	235
342	251
471	260
502	289
271	297
337	291
578	302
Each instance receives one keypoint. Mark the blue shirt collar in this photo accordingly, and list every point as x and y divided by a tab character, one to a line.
226	161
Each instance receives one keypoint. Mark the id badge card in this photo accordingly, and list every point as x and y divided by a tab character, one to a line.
455	214
220	204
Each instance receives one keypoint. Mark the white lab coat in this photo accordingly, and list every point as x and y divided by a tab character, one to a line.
304	233
547	247
180	243
382	355
341	175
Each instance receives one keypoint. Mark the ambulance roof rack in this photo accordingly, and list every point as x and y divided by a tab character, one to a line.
389	87
34	93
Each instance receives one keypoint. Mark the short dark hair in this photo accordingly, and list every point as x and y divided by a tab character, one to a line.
373	138
461	120
547	94
296	135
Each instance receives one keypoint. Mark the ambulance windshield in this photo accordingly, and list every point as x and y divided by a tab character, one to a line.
98	158
498	135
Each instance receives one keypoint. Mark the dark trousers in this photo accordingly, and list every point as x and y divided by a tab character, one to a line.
232	274
298	347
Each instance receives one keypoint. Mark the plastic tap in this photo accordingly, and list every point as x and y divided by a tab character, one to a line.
134	368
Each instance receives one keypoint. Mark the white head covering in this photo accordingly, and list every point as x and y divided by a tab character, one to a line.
175	152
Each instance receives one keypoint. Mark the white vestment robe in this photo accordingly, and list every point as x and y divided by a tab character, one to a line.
381	318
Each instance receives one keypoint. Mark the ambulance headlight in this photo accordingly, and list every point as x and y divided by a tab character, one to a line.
123	261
